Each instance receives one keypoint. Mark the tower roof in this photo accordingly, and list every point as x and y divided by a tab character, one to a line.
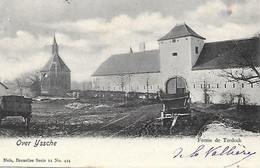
180	31
55	59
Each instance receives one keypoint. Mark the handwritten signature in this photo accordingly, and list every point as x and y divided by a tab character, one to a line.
239	150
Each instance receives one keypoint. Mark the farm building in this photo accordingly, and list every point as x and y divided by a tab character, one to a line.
55	75
184	62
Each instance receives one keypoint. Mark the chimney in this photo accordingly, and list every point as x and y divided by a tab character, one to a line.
142	46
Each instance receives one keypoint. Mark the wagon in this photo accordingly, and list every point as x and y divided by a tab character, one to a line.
174	106
16	106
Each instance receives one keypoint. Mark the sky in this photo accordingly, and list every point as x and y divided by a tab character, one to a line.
90	31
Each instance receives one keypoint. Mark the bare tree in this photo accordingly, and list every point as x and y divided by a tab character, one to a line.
122	81
96	84
242	63
30	81
148	80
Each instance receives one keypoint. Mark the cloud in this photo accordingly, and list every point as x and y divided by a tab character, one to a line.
86	42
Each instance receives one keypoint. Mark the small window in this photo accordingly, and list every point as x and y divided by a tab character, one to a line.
242	85
234	85
158	87
208	85
225	85
144	87
196	50
217	86
252	85
194	86
174	54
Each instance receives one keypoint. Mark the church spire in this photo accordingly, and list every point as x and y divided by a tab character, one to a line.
55	47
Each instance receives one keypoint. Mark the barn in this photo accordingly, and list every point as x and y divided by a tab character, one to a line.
185	62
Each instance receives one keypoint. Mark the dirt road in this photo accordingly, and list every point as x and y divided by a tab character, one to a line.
53	119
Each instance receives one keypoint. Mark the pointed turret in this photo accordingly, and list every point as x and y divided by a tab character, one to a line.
55	47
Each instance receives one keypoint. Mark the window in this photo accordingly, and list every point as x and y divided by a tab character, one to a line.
137	87
242	85
174	54
225	85
158	87
252	85
194	86
234	85
151	87
196	50
217	86
173	40
208	85
144	87
201	86
114	88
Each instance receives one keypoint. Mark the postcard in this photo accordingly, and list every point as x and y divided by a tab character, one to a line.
99	83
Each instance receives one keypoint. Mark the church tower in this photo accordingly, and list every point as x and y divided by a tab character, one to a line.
55	75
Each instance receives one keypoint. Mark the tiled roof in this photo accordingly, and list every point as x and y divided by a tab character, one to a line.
180	31
139	62
61	66
228	54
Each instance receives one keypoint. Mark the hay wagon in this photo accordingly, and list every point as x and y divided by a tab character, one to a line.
16	106
174	106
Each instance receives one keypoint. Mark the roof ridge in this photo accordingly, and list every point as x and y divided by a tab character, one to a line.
136	52
239	39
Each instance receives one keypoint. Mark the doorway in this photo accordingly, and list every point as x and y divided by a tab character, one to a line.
176	85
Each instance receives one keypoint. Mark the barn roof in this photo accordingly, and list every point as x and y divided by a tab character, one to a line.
180	31
229	54
130	63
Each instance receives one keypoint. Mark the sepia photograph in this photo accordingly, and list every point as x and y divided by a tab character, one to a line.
120	74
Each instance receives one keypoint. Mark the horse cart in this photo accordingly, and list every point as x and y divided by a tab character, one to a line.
174	106
16	106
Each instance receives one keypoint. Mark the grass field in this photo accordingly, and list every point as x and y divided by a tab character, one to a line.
121	119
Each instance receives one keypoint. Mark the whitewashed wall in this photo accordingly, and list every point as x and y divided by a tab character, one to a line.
132	82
